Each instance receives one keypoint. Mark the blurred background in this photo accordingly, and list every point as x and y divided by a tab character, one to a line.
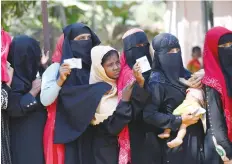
188	20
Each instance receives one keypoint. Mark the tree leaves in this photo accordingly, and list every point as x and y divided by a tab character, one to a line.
13	10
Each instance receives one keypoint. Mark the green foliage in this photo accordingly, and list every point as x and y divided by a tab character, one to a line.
13	10
72	13
118	8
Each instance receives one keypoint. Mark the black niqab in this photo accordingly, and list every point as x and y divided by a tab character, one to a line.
77	100
133	52
225	59
79	48
24	56
170	64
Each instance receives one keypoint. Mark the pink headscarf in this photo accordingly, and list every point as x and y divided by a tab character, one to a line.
56	57
125	78
6	40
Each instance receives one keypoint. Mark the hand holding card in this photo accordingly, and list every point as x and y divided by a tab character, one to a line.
74	63
144	64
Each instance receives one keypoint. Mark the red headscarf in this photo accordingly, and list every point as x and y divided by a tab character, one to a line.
213	73
54	153
56	57
6	40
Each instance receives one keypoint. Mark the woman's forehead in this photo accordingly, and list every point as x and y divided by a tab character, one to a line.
132	31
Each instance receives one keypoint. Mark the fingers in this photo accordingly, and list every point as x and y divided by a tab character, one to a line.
10	71
65	71
130	86
42	51
193	78
65	64
47	54
44	58
137	68
136	65
36	83
197	84
65	67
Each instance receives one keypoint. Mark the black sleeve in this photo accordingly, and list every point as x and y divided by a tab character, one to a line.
120	118
152	113
139	99
20	105
216	122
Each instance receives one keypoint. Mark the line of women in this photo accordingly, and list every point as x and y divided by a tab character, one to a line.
109	111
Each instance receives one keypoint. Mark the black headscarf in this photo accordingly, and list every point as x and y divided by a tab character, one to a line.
170	64
225	59
132	52
78	49
24	56
77	100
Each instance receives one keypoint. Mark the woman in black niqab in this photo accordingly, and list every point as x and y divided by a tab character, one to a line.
27	115
77	100
168	63
167	93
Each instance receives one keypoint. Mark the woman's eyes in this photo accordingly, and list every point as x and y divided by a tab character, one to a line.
112	64
141	45
83	38
226	44
174	50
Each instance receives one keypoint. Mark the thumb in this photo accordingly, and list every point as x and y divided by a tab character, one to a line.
47	54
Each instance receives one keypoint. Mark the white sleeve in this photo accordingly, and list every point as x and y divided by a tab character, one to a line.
49	87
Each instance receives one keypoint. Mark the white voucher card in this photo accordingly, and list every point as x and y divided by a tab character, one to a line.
144	64
74	63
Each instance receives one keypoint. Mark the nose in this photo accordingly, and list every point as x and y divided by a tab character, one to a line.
116	67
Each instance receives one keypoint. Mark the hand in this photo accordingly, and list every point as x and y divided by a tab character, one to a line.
36	87
127	91
228	162
10	71
138	74
195	81
44	58
200	74
64	72
189	119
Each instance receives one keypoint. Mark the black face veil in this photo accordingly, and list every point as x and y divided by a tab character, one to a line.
134	52
77	100
225	59
170	64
